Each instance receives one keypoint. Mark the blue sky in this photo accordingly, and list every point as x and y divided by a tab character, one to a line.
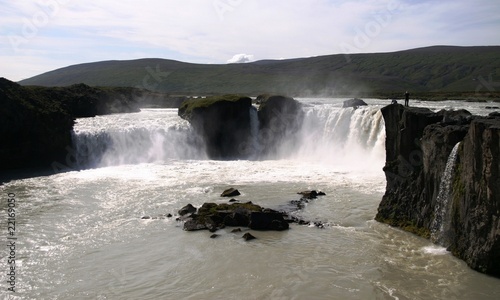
39	36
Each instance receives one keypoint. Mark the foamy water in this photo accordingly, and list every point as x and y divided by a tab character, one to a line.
81	236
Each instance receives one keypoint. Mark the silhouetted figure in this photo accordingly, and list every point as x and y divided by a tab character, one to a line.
394	101
407	98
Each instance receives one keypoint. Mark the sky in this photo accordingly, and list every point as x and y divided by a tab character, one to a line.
43	35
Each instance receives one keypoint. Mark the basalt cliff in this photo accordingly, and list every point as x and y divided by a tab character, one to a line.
454	201
36	122
230	127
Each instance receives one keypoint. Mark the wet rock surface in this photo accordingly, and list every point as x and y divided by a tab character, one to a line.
418	145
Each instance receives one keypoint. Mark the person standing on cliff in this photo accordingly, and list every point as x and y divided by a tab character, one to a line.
407	98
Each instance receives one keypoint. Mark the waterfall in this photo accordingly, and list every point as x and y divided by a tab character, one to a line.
441	224
348	137
147	137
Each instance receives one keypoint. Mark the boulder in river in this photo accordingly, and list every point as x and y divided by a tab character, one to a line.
188	209
231	192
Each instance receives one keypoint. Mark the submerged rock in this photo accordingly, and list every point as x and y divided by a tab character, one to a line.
231	192
311	194
248	236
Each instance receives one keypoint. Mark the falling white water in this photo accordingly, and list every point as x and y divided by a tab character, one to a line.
441	223
145	137
347	137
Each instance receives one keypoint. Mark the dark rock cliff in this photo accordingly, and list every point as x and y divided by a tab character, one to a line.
280	118
476	198
34	130
223	122
36	122
418	144
233	129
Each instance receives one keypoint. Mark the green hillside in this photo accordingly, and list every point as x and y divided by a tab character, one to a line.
431	69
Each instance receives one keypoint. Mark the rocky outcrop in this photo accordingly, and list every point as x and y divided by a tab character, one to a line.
223	122
418	144
355	102
280	118
232	128
476	198
34	128
214	216
36	122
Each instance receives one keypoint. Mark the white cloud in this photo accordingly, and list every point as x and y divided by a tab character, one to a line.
240	58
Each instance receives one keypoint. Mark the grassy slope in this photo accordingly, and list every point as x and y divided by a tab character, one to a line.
440	68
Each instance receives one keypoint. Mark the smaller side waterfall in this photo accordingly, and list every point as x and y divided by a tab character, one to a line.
441	223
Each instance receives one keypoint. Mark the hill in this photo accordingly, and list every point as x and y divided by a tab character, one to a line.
430	69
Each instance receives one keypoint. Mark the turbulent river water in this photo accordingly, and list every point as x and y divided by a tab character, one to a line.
80	234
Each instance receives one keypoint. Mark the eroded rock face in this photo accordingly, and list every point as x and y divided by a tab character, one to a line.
34	129
280	118
418	144
476	198
223	122
232	128
40	119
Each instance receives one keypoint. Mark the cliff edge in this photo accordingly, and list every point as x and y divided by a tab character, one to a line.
452	199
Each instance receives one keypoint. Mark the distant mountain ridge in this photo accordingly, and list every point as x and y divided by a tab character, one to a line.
429	69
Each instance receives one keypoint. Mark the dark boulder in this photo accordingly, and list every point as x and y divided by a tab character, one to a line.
193	224
207	208
231	192
188	209
269	220
237	218
311	194
248	236
355	102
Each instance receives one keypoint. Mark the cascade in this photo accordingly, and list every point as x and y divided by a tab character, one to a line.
354	138
441	223
134	138
351	137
